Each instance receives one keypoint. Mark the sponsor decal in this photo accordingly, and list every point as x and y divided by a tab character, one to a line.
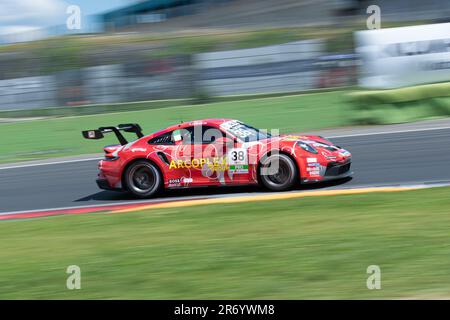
315	164
237	160
237	128
313	171
239	168
138	150
311	160
177	135
174	181
179	181
214	164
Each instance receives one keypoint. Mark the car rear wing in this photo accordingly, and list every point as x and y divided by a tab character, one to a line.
127	127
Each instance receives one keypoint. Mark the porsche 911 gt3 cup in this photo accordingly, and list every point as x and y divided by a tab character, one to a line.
215	152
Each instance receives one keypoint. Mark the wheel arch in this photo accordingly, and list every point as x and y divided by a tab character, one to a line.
129	163
268	154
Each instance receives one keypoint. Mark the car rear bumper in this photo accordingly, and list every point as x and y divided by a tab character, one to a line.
104	184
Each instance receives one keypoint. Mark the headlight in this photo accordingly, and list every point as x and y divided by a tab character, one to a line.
307	147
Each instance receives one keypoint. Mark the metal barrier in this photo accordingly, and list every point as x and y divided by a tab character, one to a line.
135	74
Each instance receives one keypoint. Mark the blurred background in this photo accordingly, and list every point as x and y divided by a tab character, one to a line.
309	66
168	49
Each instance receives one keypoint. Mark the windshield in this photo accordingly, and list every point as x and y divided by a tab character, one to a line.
244	132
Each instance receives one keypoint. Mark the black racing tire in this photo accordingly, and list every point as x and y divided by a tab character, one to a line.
143	179
284	178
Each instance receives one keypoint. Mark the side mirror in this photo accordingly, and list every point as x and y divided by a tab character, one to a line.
92	134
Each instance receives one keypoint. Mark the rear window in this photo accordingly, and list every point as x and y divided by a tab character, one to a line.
165	138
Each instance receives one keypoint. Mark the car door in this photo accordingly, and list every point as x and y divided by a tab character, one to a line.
203	162
166	149
206	156
227	149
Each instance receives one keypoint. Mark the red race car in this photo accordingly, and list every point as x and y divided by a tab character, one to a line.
215	152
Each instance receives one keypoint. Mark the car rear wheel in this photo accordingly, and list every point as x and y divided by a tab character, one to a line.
143	179
278	172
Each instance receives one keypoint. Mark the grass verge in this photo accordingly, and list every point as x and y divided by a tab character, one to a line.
402	104
289	249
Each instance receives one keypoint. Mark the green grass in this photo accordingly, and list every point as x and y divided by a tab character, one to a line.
62	136
401	105
289	249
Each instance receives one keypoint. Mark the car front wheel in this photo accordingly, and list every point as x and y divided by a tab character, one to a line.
278	172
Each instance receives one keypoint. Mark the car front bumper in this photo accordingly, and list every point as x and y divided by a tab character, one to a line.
333	171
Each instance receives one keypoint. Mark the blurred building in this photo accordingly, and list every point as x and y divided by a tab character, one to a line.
149	11
169	15
155	12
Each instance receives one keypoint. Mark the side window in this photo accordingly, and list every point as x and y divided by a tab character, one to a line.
187	135
165	138
190	135
211	134
200	134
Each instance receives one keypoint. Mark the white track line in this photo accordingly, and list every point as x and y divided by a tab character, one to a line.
330	137
85	207
219	196
131	202
417	185
47	163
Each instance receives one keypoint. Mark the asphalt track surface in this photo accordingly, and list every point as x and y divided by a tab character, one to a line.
386	159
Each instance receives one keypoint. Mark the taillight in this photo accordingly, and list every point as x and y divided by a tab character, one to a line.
110	157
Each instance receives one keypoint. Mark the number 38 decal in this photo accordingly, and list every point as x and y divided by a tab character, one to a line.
237	156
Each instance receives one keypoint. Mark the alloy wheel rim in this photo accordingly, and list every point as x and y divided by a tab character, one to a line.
143	179
281	176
